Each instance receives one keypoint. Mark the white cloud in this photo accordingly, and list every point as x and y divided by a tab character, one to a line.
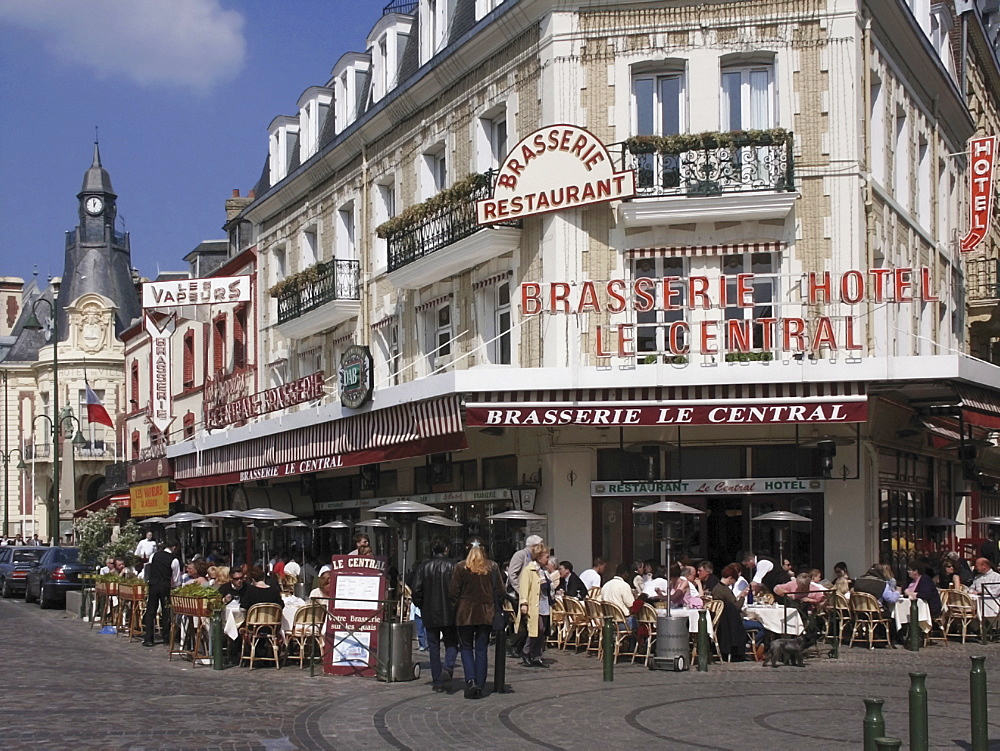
188	43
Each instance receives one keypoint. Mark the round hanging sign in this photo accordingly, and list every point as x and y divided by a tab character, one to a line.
355	376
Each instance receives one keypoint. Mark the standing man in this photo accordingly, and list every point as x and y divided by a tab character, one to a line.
518	562
766	575
145	549
592	576
162	572
989	549
431	593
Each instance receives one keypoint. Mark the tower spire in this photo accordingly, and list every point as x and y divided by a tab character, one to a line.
97	150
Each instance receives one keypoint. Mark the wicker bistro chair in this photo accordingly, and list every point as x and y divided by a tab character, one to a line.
307	630
961	611
594	593
577	624
625	641
714	608
263	624
839	618
869	617
647	620
595	622
557	624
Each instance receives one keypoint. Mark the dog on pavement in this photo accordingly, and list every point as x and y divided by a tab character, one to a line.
790	651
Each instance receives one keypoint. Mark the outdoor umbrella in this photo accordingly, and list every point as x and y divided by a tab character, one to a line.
527	516
152	520
407	508
938	521
987	520
441	520
335	525
184	517
667	507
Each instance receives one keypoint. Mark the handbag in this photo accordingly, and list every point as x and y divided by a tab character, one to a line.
499	620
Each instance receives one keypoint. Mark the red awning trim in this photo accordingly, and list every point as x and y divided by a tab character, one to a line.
377	429
124	500
409	450
704	250
980	406
384	322
491	280
437	301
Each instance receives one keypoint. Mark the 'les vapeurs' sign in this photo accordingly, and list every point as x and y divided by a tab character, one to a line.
983	154
557	167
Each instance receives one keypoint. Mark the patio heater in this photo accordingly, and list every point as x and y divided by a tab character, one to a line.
338	525
183	517
667	507
376	524
406	510
269	516
781	516
230	530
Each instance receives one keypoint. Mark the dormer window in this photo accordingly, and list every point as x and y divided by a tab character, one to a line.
314	105
435	19
348	83
386	43
283	142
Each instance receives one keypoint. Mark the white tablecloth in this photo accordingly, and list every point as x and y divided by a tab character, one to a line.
235	616
775	618
691	615
901	613
986	607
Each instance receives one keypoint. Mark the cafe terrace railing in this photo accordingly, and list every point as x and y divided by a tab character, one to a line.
710	164
337	279
453	221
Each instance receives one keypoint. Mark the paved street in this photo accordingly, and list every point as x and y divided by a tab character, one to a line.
68	687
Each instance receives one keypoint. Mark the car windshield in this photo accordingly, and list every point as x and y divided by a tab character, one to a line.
67	555
27	556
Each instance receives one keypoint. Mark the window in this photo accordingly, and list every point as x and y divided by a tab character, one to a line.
877	148
385	209
434	27
384	79
434	172
501	322
492	142
134	387
189	425
901	154
655	330
309	247
744	336
310	361
346	249
219	345
439	335
748	97
188	375
279	267
924	183
240	337
500	471
657	109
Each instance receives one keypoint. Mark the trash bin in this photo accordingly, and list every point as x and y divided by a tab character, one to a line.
394	657
673	651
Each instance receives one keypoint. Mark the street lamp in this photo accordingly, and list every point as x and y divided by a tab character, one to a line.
32	324
5	455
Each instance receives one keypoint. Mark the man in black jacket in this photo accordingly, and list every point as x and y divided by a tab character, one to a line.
162	572
431	585
571	584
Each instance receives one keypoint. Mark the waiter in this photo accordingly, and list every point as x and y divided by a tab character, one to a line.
162	572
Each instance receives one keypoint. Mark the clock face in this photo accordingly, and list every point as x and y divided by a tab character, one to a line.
94	205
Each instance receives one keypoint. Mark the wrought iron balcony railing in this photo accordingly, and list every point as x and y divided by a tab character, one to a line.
37	451
712	171
440	229
334	280
406	7
982	279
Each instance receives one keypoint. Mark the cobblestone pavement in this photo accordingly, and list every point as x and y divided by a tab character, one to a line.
65	686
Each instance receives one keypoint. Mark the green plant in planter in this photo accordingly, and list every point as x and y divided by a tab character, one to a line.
197	591
681	142
764	356
459	194
298	281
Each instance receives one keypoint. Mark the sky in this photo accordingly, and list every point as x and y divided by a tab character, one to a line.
182	92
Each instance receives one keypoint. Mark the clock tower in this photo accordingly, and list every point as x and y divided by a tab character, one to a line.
98	258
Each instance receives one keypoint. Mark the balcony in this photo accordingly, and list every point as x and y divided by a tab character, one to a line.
982	280
442	237
318	298
742	175
37	451
93	451
405	7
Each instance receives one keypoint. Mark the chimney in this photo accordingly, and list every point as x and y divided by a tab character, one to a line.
236	204
10	302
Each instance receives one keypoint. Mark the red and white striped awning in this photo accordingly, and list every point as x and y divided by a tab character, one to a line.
491	280
705	250
384	322
979	406
437	301
368	433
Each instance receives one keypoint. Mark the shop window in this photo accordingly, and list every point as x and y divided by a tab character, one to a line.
500	471
640	463
188	356
458	476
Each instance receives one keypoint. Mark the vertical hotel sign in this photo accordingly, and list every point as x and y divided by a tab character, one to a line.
557	167
982	152
161	394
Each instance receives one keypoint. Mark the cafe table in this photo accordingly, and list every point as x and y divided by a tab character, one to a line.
235	615
692	617
901	613
775	618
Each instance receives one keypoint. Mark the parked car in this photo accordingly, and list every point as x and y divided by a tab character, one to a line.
58	571
15	563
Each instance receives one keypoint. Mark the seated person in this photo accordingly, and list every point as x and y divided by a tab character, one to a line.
986	579
323	586
922	587
258	591
619	592
233	589
657	588
730	633
707	576
802	588
948	577
571	584
693	597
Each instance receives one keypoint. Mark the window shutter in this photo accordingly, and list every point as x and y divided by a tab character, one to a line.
219	344
188	359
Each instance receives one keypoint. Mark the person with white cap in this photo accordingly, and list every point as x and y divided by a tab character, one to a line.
518	562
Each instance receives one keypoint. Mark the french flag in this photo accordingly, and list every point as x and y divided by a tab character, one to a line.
96	411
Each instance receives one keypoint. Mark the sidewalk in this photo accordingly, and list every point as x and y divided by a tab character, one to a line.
66	686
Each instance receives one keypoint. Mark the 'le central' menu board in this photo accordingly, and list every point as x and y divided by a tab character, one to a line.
357	595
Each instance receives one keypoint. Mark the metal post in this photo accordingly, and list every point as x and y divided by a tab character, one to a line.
56	423
218	651
703	643
918	712
977	704
835	649
913	642
888	744
500	660
609	649
6	460
874	723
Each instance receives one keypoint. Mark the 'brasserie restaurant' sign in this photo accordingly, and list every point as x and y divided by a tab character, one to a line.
557	167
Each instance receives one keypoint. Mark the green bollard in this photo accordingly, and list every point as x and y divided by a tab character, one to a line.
888	744
609	649
218	650
500	660
918	712
704	646
978	706
874	724
835	647
913	642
